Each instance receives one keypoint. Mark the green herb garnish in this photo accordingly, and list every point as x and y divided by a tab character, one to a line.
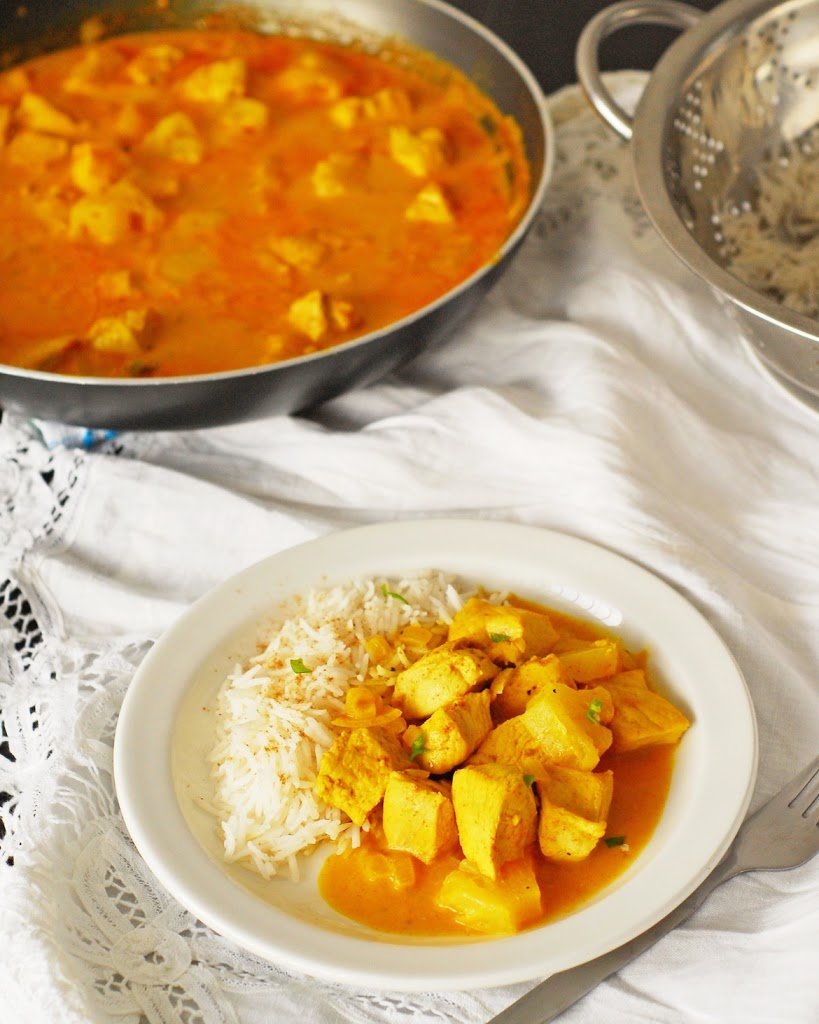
593	714
392	593
299	667
528	779
499	638
614	840
418	745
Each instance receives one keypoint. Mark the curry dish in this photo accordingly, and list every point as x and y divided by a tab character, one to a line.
507	766
197	201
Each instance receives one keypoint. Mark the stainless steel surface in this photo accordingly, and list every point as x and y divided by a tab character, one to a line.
731	92
782	834
210	399
617	16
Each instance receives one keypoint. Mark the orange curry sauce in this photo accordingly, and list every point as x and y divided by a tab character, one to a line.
370	883
197	201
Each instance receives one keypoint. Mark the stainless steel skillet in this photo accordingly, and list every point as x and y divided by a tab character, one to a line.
211	399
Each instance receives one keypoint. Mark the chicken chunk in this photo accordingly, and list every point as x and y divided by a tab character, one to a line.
353	773
441	677
496	815
452	732
244	114
176	138
641	717
510	635
308	315
299	251
574	806
418	816
30	149
328	176
430	205
95	167
38	115
307	82
513	688
385	104
482	904
125	333
419	153
555	729
216	82
153	65
111	214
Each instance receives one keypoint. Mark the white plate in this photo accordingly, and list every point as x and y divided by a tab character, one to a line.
165	730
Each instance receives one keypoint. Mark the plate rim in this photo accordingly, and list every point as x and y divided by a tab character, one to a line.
366	963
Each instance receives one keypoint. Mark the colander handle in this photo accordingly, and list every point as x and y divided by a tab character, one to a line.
602	25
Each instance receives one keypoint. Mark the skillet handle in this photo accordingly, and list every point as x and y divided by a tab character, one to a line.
628	12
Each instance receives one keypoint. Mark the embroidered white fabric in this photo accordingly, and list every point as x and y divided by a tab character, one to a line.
601	390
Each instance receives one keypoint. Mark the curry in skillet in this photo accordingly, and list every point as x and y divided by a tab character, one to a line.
191	202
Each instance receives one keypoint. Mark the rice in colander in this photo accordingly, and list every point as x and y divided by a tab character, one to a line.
772	242
274	719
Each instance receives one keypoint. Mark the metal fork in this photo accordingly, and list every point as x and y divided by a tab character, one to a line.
782	834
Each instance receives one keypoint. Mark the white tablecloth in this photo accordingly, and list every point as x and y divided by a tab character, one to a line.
600	390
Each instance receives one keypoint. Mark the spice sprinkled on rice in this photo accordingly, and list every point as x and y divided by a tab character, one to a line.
274	713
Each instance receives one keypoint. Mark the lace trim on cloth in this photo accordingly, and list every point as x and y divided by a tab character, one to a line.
87	933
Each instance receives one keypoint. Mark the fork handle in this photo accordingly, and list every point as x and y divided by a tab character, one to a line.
549	999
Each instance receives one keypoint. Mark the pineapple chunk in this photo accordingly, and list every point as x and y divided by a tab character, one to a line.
418	816
395	868
38	115
500	907
592	661
429	206
574	806
176	138
439	678
452	733
216	82
641	717
496	815
513	688
556	728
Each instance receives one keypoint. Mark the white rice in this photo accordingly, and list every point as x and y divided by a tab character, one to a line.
772	244
273	724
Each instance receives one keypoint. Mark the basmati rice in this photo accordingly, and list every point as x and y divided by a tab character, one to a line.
772	243
273	720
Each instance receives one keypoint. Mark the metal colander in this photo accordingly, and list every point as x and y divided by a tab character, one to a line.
725	145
